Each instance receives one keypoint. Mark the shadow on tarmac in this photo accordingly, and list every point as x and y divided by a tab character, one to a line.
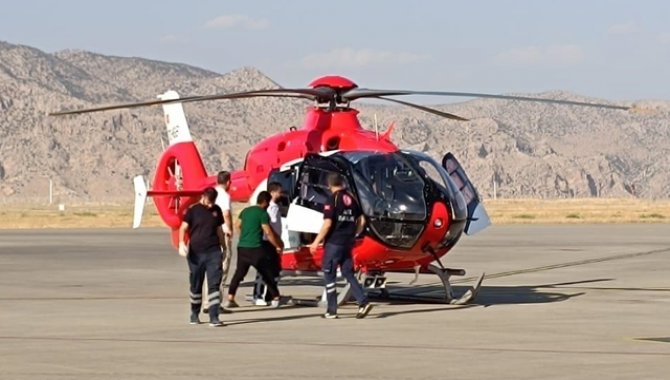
488	296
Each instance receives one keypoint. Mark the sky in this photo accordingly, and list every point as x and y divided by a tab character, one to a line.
610	49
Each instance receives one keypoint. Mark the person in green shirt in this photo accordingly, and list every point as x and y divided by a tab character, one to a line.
252	222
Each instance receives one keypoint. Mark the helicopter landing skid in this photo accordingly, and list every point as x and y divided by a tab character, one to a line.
444	274
343	295
343	290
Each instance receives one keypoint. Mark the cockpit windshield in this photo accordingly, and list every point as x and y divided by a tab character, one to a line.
389	187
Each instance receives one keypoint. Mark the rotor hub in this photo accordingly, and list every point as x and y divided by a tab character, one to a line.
330	89
334	82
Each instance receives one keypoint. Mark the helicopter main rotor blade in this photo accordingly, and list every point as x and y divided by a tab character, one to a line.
358	93
120	106
279	93
424	108
318	93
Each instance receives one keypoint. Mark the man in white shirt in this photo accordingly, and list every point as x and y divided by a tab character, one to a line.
274	259
223	201
275	190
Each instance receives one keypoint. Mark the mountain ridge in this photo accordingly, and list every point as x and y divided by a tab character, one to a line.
528	149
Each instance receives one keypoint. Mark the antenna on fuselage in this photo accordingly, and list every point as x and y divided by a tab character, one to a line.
376	128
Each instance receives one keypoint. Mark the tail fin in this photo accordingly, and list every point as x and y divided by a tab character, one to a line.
175	120
140	200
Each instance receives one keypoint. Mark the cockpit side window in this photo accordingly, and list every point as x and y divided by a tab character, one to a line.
432	172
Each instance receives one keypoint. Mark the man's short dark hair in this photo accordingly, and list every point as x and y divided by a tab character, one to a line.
263	197
223	177
210	193
334	179
274	186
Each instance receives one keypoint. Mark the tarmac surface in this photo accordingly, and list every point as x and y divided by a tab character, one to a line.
558	302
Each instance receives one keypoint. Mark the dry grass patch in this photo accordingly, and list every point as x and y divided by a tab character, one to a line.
77	216
502	211
588	210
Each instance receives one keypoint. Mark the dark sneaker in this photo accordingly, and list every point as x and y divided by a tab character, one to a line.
329	316
215	323
231	304
194	319
281	301
286	300
363	311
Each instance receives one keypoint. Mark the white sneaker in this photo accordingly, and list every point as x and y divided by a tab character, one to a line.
260	302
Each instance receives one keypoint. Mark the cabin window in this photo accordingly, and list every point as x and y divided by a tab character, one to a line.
314	192
287	181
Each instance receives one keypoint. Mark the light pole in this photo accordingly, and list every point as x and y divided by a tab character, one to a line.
51	189
493	177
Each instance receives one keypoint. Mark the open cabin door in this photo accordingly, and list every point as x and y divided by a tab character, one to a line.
478	219
305	211
287	177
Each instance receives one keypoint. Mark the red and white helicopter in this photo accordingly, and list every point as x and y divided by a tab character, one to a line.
417	208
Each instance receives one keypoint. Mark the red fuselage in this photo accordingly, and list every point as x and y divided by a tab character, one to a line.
323	130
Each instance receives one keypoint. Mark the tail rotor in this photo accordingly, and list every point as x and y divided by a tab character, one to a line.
180	173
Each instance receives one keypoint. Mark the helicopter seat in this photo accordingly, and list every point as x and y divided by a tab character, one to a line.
303	219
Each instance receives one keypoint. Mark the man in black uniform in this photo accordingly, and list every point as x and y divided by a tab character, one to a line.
204	253
343	220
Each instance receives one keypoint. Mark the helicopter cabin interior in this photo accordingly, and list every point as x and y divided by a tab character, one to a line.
306	191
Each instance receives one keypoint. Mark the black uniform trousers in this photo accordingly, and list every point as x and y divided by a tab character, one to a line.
257	258
339	255
274	263
201	264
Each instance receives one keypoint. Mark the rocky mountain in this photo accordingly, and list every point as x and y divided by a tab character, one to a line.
527	149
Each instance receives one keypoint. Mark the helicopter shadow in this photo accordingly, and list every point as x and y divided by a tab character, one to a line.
488	295
296	281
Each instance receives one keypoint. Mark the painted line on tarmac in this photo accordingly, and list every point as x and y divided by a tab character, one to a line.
560	265
348	345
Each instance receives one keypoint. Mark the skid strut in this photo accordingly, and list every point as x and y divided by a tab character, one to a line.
445	273
449	297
